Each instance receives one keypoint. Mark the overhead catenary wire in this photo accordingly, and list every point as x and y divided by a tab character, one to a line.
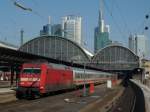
114	21
122	16
35	3
35	12
11	19
2	37
144	23
1	34
147	23
5	27
112	6
19	4
140	27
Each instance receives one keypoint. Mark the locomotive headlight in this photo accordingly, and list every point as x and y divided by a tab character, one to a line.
21	82
41	87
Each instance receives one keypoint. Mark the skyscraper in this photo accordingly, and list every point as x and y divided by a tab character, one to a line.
71	28
46	30
148	49
101	33
141	45
131	43
51	29
56	30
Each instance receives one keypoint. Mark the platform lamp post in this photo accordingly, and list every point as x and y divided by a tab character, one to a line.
84	85
84	76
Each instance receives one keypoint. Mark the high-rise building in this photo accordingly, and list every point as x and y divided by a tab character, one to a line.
56	30
101	33
46	30
51	29
71	28
141	45
131	43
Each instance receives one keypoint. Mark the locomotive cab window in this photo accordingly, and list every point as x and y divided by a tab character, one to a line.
31	70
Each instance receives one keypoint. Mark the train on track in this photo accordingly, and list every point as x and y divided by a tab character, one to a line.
37	79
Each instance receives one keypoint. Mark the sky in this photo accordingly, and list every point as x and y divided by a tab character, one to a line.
125	17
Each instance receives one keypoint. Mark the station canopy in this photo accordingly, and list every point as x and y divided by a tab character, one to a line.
115	57
57	48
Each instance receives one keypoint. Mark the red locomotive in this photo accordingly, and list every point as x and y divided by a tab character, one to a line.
37	79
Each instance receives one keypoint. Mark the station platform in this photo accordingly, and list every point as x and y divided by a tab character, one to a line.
6	87
7	90
7	95
146	92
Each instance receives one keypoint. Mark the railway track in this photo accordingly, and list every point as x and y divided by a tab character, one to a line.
131	101
124	104
133	104
139	103
55	103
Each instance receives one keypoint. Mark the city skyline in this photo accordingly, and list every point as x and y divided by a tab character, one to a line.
15	18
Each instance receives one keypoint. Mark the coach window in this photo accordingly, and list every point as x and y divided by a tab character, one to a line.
88	75
81	76
107	75
78	76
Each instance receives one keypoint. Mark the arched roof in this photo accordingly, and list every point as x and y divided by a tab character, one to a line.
116	57
8	45
56	47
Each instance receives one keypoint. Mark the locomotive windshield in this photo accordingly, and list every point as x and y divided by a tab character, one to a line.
31	70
